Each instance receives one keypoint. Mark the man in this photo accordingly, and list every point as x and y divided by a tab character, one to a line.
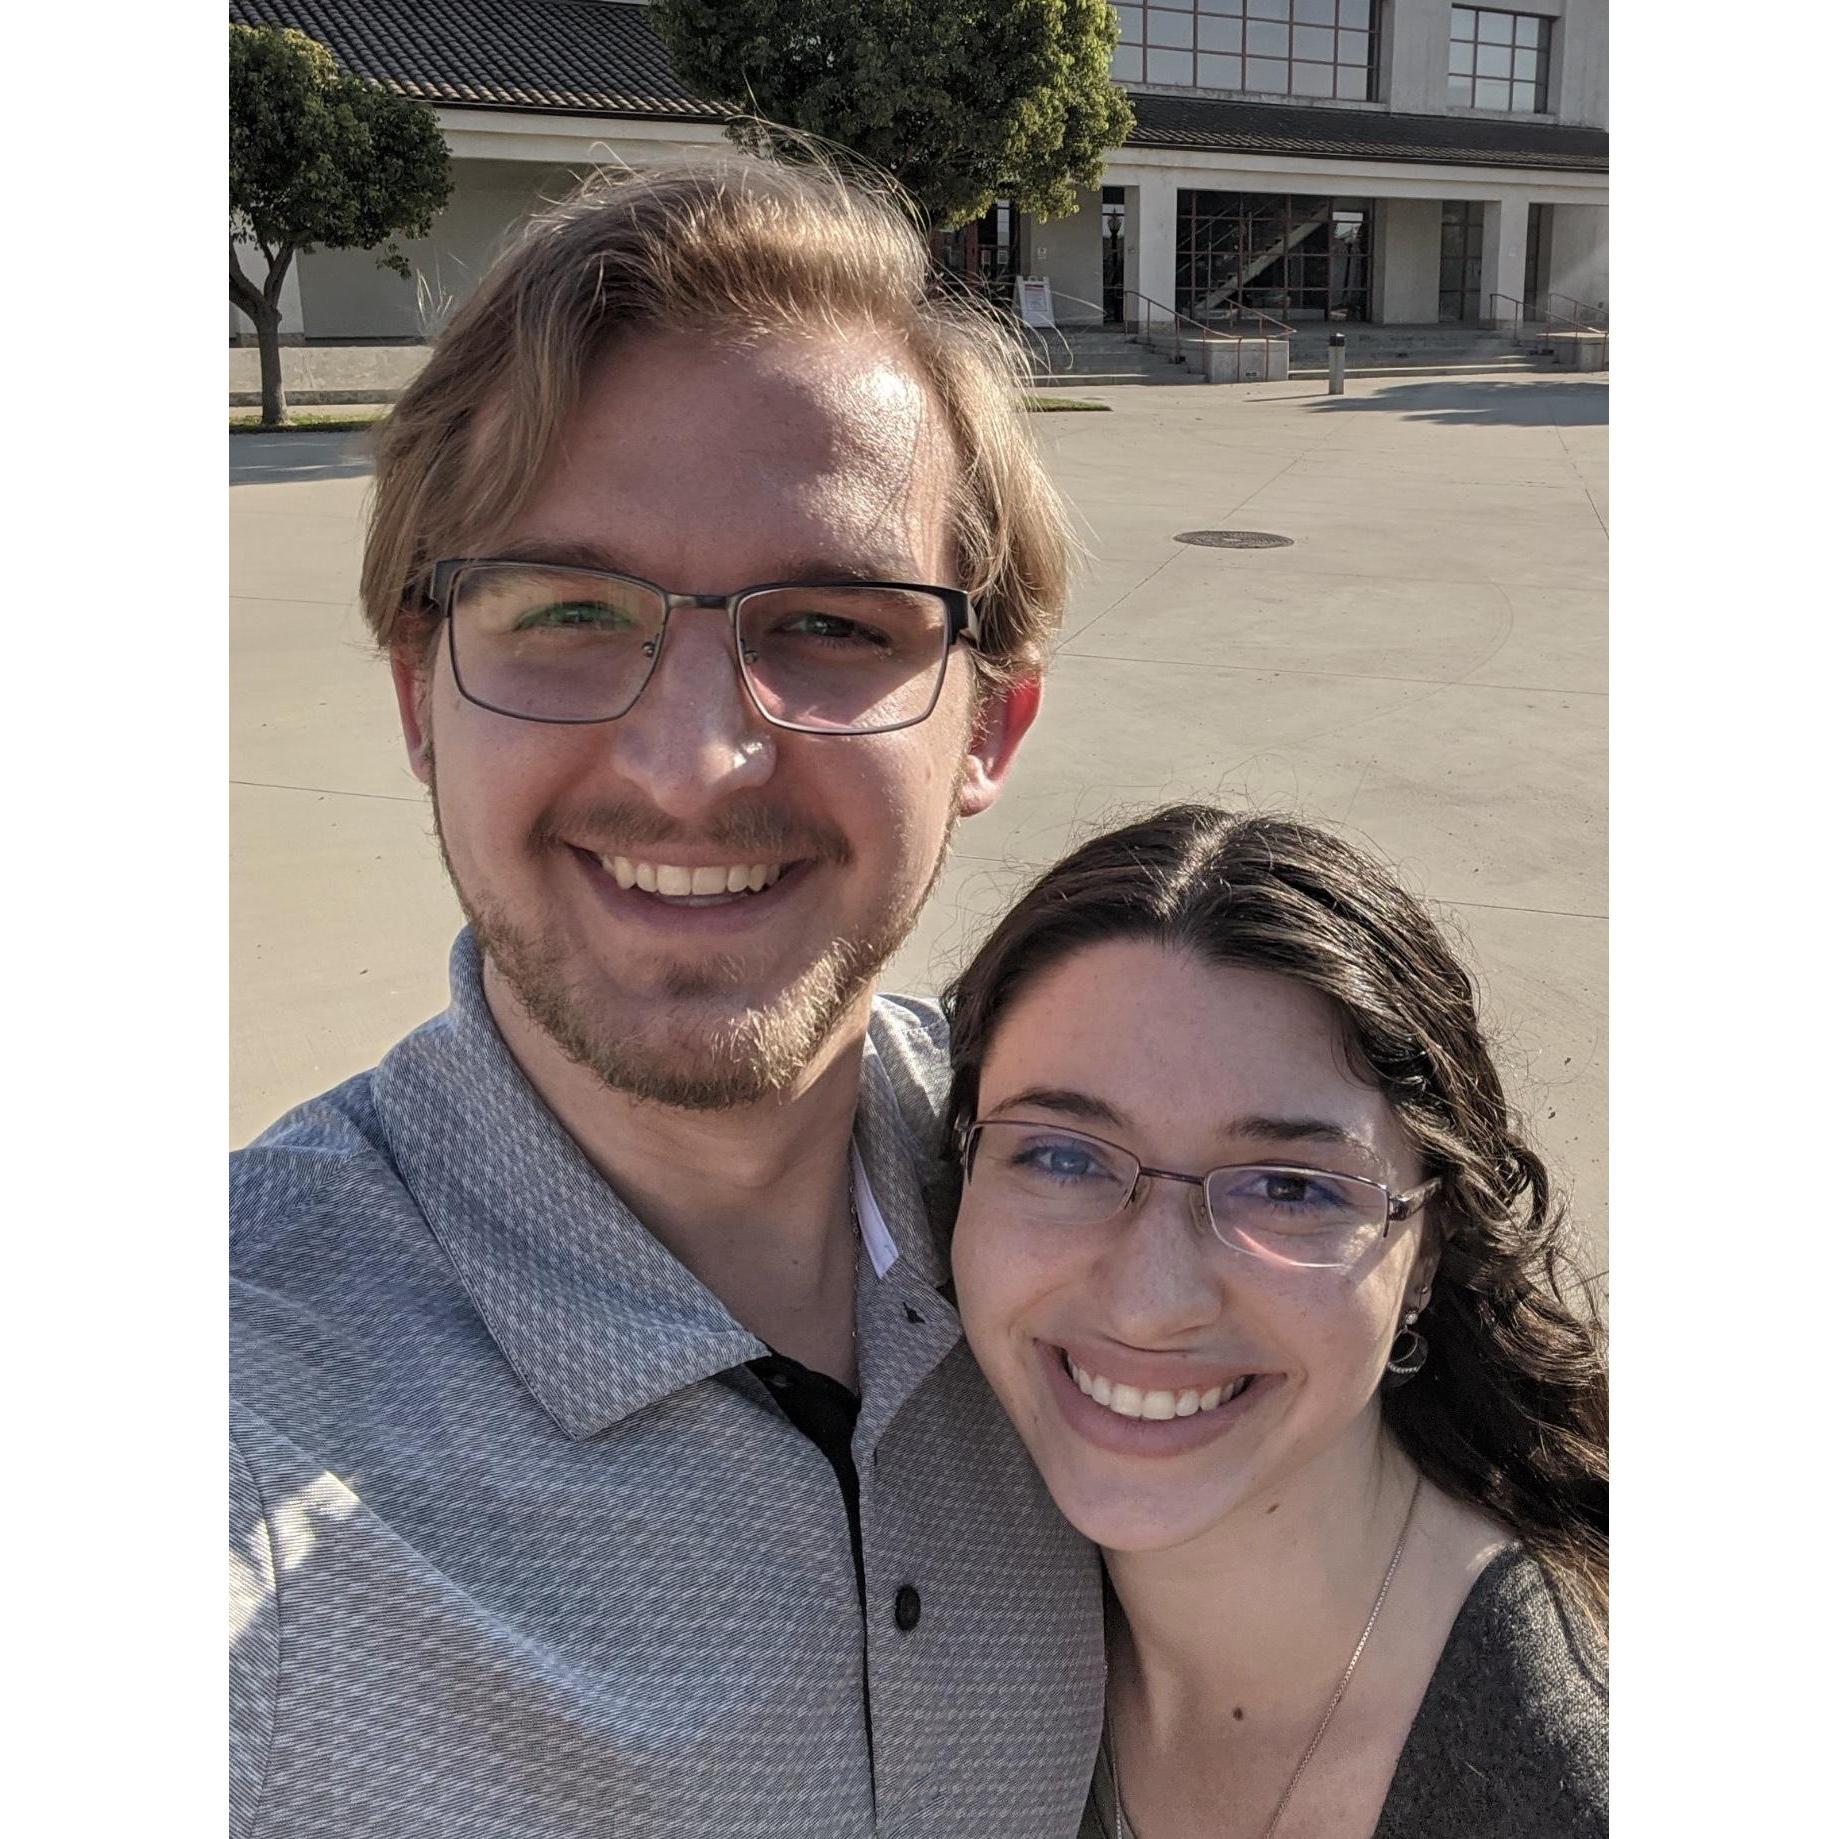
606	1457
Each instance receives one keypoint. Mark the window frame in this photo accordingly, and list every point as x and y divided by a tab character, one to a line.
1466	86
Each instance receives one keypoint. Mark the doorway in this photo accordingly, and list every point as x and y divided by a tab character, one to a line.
1459	263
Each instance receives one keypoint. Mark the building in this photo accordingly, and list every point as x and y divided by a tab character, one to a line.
1398	162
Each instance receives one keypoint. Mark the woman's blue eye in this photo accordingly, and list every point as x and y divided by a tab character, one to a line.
1059	1161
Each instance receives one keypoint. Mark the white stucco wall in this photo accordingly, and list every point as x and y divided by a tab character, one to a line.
1580	253
1069	252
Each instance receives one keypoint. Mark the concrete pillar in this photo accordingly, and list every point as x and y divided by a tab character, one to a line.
1407	247
1580	254
1503	254
293	321
1149	242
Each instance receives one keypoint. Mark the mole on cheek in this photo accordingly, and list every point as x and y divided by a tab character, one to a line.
1238	1713
1273	1506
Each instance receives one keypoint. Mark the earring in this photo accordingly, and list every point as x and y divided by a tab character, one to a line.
1410	1350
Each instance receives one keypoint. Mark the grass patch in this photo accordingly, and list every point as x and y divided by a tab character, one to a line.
305	421
1053	404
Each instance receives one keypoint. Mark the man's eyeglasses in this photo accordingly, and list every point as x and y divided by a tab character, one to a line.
552	644
1295	1216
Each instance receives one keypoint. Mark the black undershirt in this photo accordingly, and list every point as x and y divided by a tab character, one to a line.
825	1410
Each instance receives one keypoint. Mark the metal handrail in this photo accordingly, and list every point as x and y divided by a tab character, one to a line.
1206	331
1551	319
1594	312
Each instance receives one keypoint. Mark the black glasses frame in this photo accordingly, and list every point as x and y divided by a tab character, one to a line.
1397	1206
962	622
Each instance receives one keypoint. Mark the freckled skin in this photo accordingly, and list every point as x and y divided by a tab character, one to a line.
1178	1047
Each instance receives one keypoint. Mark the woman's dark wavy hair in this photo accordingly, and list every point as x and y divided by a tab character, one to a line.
1511	1413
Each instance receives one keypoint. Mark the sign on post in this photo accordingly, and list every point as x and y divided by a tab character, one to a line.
1034	300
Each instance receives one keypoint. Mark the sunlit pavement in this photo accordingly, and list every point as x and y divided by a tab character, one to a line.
1425	667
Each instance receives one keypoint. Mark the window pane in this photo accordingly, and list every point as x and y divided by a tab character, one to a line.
1222	6
1462	60
1357	13
1221	72
1312	79
1526	29
1490	61
1525	98
1495	28
1266	40
1462	22
1353	48
1351	85
1268	74
1313	42
1461	92
1178	67
1222	35
1169	28
1315	12
1130	23
1491	95
1127	64
1526	66
1268	9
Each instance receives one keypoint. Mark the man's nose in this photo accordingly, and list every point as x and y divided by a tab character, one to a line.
1162	1279
694	736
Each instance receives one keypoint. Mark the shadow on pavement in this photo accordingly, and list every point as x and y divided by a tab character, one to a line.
1454	403
283	459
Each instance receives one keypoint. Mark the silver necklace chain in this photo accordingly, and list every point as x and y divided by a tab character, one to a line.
1118	1822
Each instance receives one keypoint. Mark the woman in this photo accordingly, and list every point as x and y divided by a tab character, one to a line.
1255	1256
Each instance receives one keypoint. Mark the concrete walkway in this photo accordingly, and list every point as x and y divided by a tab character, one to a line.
1425	667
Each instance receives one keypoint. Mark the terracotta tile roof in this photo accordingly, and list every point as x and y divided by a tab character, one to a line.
570	56
601	57
1362	134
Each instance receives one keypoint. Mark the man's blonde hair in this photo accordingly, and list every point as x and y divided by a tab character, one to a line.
733	248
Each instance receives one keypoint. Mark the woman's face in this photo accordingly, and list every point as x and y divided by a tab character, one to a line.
1190	1066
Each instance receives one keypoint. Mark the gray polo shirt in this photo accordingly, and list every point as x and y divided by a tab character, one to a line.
519	1545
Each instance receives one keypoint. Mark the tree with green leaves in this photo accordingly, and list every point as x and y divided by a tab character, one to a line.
963	101
318	160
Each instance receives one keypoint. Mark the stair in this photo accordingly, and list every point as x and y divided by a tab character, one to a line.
1380	351
1099	357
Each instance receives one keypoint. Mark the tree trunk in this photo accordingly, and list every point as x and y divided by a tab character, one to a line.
267	319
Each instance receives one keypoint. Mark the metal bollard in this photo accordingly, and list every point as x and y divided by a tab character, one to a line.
1337	363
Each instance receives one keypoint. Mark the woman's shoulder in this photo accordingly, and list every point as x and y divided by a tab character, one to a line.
1511	1740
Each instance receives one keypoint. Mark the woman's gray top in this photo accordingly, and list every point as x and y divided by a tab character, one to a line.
1512	1739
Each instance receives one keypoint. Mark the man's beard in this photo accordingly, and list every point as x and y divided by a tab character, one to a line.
715	1056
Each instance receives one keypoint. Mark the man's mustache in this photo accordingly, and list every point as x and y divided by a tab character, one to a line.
746	833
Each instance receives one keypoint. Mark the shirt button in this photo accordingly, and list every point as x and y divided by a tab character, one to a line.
906	1609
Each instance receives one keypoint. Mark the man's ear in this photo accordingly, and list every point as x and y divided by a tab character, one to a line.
1005	715
412	672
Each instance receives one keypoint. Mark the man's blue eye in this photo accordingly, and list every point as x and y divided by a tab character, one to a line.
576	616
830	629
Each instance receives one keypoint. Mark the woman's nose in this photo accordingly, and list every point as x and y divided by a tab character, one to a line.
1161	1279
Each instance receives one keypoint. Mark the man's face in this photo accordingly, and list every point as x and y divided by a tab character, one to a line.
707	470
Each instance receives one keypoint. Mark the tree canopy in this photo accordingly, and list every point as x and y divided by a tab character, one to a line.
319	159
963	101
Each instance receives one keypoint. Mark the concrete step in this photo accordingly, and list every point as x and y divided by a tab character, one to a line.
1501	367
1109	379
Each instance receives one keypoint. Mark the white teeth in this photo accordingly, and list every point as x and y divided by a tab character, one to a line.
676	883
1153	1403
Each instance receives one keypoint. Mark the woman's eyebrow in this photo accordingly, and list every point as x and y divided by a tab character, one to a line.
1293	1130
1068	1103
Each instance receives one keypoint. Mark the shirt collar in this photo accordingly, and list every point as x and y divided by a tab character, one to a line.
593	1314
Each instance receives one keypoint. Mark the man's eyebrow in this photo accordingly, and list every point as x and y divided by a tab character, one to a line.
567	552
1068	1103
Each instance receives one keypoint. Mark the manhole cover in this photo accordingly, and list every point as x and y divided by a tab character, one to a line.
1235	539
